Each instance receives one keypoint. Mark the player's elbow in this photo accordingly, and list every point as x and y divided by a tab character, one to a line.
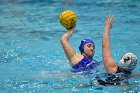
63	40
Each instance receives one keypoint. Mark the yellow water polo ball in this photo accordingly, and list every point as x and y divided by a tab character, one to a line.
68	19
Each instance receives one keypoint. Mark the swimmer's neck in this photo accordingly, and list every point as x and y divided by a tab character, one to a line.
85	55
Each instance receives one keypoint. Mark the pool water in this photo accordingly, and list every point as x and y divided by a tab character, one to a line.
32	59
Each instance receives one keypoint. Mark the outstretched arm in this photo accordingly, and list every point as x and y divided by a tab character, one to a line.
69	51
109	63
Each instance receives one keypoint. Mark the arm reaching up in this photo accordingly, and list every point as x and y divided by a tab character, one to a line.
72	56
109	63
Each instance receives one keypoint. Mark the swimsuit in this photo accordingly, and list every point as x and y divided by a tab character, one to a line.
119	77
86	64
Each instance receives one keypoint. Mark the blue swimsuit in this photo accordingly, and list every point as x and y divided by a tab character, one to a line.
86	64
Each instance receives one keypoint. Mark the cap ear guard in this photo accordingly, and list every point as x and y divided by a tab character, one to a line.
126	59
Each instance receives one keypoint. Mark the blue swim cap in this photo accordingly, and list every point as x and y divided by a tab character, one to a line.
83	42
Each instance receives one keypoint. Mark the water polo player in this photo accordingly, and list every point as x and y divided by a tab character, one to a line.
80	62
115	73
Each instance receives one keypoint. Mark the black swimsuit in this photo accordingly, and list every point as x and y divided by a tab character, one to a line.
119	77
